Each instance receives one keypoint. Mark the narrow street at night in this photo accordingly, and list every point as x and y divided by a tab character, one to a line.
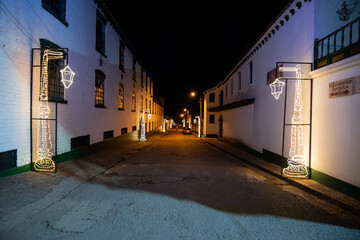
173	186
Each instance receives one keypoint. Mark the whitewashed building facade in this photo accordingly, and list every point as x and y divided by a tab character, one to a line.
242	109
111	85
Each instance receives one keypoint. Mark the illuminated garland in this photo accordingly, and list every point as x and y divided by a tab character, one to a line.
44	160
296	164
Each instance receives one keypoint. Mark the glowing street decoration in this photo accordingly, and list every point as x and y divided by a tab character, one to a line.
142	131
198	122
67	76
297	162
44	160
277	88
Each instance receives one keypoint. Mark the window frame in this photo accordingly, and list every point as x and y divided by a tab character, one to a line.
121	98
100	33
211	97
99	89
211	118
122	56
251	67
59	12
133	101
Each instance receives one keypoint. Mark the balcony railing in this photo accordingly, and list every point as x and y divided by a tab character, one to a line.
338	45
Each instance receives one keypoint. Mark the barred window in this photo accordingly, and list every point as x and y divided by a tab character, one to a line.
133	102
121	97
122	56
57	8
55	86
99	88
100	33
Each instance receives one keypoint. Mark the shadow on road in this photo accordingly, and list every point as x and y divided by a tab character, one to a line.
185	168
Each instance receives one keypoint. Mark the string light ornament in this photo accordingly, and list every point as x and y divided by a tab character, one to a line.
142	131
277	88
44	160
297	162
67	76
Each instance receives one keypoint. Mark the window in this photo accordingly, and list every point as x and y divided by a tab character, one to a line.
133	102
232	86
239	80
142	78
146	82
99	89
100	33
55	86
57	8
134	70
123	131
211	118
250	73
150	86
133	128
122	56
81	141
212	97
8	159
121	97
221	98
108	134
226	90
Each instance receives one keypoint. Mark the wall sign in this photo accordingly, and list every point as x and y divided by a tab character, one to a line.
341	88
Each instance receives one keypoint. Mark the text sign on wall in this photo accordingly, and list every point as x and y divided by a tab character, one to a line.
340	88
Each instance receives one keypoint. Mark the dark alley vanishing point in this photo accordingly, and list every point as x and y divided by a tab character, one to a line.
173	186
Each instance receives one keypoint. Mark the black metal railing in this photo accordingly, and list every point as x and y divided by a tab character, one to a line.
341	44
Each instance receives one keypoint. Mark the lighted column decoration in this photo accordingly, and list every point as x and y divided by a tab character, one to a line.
44	160
143	132
297	162
67	76
164	125
198	122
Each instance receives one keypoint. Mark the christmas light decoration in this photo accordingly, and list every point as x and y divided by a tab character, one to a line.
297	162
276	88
142	131
67	76
44	160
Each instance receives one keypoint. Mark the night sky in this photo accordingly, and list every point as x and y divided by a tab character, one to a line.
191	45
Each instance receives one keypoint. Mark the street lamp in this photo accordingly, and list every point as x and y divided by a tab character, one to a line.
143	134
193	94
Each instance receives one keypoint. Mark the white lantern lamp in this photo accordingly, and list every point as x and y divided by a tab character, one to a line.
67	76
277	88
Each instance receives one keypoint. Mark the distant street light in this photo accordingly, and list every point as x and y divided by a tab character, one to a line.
192	94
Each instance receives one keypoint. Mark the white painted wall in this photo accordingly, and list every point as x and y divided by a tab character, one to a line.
336	129
22	24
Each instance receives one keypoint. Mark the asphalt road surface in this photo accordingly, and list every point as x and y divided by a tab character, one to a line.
172	187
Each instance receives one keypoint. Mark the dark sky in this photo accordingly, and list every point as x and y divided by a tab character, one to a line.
191	45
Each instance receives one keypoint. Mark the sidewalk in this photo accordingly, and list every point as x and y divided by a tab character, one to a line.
308	185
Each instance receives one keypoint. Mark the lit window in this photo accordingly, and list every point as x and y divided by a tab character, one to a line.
133	102
121	97
99	88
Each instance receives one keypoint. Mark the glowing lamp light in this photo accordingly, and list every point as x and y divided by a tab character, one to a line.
67	76
192	94
277	88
